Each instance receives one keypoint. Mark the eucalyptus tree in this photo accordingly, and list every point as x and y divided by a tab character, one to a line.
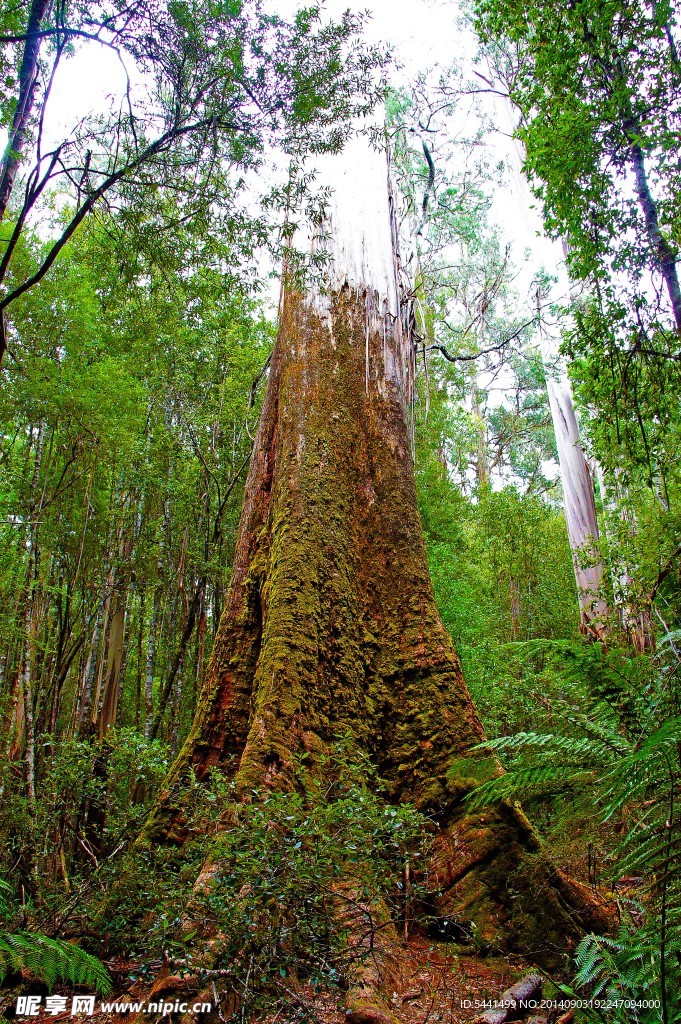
472	319
599	89
330	627
469	327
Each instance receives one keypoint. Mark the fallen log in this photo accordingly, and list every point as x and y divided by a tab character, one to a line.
513	1003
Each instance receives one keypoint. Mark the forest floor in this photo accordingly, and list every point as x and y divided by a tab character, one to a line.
440	982
442	985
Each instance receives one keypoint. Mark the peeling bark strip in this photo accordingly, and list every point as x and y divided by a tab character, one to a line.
330	627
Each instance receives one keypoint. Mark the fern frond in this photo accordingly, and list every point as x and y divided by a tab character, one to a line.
50	960
595	725
649	854
4	888
537	780
549	743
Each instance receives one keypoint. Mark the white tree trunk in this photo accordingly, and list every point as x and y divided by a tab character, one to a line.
578	492
578	488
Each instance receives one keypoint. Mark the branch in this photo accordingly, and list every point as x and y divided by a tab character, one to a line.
484	351
663	573
490	87
230	488
256	383
179	655
148	153
429	186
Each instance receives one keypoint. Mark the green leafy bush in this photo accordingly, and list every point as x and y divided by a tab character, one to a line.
301	885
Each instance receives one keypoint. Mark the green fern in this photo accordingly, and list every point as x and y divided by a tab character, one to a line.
625	972
526	781
49	960
623	748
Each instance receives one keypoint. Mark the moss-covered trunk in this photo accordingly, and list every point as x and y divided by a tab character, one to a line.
330	626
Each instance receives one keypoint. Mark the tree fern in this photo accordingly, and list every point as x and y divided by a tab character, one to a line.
622	747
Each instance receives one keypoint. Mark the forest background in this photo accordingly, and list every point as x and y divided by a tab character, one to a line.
138	323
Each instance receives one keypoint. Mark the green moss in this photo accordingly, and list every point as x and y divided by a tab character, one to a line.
468	772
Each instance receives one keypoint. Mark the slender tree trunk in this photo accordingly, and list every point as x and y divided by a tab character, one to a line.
105	709
176	666
94	695
200	652
82	709
27	697
22	729
665	256
149	667
140	658
124	661
634	616
330	627
153	622
482	471
28	81
106	714
578	494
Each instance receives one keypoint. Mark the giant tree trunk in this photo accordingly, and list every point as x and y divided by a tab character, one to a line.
330	626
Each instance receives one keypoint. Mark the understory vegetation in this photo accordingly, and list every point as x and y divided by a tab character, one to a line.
131	385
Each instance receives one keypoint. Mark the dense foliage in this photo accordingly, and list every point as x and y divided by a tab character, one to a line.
130	397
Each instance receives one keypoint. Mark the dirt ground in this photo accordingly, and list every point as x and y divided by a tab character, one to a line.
442	985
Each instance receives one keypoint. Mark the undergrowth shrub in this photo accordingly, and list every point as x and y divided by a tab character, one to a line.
289	870
92	797
293	869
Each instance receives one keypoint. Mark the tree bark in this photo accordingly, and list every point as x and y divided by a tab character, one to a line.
482	471
578	494
633	613
179	657
104	716
330	627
